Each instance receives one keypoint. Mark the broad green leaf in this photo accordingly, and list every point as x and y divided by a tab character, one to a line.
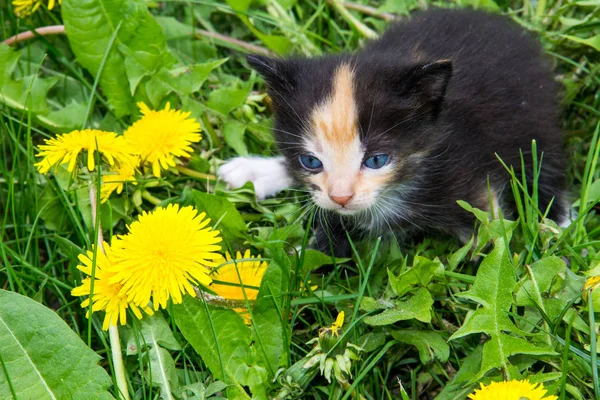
43	357
139	50
233	133
219	209
314	259
493	288
156	337
271	334
421	273
593	41
429	343
226	99
223	341
417	307
531	290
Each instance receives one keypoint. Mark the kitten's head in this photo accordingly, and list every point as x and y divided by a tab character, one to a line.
354	129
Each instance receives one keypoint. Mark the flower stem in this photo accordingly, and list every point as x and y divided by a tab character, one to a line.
195	174
43	31
154	200
115	348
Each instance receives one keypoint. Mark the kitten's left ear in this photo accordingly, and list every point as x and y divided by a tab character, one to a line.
431	80
277	73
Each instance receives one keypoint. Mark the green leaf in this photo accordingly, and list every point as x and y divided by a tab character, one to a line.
459	387
493	288
139	51
223	341
43	357
219	209
593	41
530	291
314	259
417	307
156	337
420	274
226	99
233	133
429	343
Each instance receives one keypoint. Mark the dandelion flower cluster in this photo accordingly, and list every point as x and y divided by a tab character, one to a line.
164	253
106	295
65	149
592	283
160	137
24	8
232	274
511	390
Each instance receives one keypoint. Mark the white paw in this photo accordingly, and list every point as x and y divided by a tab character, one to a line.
268	175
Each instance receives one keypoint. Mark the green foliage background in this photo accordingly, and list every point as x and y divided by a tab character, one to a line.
429	314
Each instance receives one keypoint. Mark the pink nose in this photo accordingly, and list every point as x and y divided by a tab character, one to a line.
341	200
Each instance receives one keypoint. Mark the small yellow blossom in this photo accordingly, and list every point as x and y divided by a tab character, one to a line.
64	149
511	390
160	137
106	295
115	180
251	271
335	329
592	283
23	8
164	253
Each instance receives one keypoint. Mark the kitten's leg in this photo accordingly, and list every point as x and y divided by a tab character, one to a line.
268	175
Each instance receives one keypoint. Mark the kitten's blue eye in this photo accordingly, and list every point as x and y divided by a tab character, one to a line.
311	163
377	161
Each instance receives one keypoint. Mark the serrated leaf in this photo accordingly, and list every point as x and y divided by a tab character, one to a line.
530	290
43	357
228	98
219	209
429	343
492	289
417	307
421	273
139	50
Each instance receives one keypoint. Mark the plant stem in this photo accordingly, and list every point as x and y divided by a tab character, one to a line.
250	48
359	26
195	174
115	348
113	331
43	31
154	200
371	11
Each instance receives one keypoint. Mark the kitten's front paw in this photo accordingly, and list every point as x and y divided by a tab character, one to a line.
268	175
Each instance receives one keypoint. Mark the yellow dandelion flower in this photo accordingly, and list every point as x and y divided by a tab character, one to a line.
160	137
24	8
115	180
511	390
251	270
107	296
592	283
64	149
164	253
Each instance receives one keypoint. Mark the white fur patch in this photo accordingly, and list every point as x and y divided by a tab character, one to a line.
268	175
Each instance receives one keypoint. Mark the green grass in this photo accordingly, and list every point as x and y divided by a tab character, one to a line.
46	222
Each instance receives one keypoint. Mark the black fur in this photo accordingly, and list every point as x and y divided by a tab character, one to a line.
461	86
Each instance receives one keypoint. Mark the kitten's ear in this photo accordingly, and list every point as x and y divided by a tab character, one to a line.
427	83
276	72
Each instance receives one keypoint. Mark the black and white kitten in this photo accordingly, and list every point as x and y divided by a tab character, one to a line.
389	138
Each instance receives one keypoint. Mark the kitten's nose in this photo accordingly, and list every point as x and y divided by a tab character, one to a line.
341	200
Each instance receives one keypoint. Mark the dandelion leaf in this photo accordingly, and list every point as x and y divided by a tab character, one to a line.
420	274
139	50
417	307
42	357
221	211
430	344
155	337
225	344
493	288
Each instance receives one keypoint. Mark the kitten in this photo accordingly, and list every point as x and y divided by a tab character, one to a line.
390	137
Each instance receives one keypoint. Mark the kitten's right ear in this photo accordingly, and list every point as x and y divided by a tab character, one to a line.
276	72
